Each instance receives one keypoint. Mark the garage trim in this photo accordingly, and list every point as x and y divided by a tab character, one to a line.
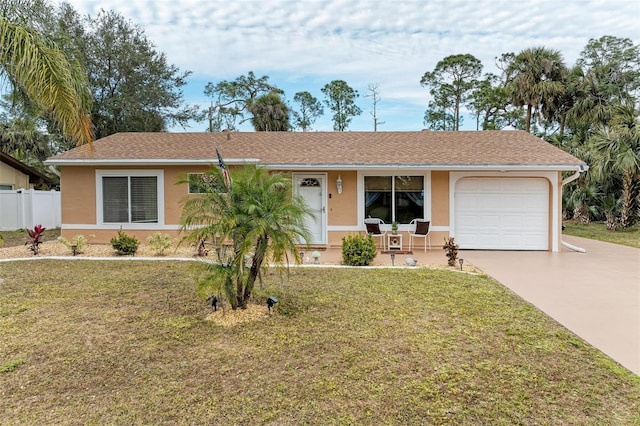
551	178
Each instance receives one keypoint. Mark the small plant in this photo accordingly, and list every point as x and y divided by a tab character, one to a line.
394	227
124	244
159	243
358	250
201	247
35	238
78	241
451	249
11	366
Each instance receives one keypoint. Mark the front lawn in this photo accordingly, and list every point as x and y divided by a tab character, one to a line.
597	231
130	345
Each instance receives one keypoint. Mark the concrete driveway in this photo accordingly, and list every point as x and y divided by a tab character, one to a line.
595	294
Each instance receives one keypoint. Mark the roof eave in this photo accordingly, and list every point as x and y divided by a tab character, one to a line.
147	162
315	166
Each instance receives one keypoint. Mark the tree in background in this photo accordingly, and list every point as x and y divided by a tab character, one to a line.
617	61
234	99
450	84
615	151
438	115
40	73
259	214
534	78
607	74
134	87
490	104
270	113
374	94
341	100
21	134
310	109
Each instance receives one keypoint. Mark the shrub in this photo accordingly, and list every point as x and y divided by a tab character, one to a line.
79	241
35	238
124	244
358	250
159	243
451	249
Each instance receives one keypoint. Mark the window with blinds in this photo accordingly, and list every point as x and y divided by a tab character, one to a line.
130	199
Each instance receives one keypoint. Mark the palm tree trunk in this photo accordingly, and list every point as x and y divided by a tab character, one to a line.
627	216
256	264
527	123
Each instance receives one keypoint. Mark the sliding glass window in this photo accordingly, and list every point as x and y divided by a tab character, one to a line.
394	198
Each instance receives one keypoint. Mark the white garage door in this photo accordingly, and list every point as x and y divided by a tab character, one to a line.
502	214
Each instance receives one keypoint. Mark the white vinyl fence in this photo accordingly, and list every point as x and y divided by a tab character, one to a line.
26	208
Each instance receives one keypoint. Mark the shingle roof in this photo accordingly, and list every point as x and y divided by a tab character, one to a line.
331	149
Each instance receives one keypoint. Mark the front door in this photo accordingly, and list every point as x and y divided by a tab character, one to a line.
311	188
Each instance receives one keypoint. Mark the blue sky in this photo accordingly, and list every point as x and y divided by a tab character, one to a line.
305	44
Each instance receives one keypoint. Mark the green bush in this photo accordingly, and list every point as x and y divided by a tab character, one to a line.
78	240
358	250
159	243
124	244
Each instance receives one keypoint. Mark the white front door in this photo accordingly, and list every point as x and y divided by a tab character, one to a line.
311	188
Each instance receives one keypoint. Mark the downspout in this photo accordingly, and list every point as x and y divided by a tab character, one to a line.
565	181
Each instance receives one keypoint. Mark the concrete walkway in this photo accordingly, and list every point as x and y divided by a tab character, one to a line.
595	294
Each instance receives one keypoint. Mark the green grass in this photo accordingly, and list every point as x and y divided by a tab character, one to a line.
130	345
597	231
20	237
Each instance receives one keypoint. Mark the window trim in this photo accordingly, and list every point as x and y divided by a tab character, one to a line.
158	174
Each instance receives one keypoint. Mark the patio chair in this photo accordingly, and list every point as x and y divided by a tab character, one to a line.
372	225
420	228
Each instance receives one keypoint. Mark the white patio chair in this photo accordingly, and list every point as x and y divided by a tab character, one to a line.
372	225
420	228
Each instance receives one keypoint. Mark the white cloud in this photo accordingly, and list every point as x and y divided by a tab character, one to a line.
391	43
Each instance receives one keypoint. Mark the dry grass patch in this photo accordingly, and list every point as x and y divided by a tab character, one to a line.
128	343
229	318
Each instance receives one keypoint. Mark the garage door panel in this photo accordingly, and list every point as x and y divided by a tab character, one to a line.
489	221
534	222
510	202
488	202
511	221
502	214
468	202
488	185
512	240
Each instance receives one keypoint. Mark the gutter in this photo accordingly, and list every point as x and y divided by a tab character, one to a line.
314	166
581	169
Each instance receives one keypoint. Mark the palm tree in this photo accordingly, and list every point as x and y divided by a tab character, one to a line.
258	215
534	78
270	113
46	77
615	151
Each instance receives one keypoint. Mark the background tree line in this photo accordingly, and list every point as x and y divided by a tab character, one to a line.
117	81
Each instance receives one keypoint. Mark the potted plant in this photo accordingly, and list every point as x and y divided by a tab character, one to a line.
394	227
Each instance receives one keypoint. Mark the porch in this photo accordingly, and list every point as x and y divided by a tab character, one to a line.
332	255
